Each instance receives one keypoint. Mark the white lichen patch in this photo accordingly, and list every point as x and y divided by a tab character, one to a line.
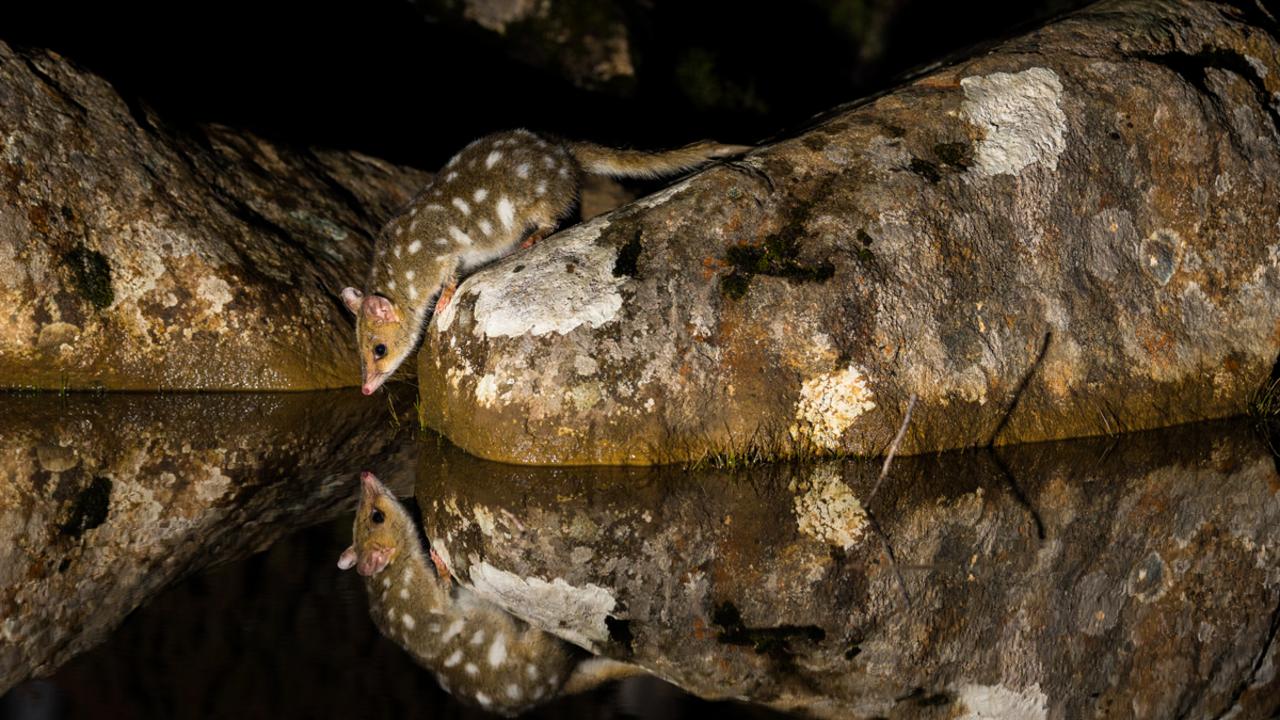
576	614
215	291
487	390
1022	117
829	404
828	511
996	702
563	283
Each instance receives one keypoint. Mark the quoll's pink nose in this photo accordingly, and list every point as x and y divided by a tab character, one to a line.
367	389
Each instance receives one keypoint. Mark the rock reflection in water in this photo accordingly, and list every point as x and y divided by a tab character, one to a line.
106	499
1106	577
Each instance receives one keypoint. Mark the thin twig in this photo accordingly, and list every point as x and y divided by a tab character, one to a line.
875	524
893	447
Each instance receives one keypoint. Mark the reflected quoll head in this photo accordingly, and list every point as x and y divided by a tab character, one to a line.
377	531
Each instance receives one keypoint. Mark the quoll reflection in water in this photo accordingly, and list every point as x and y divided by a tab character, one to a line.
1129	577
479	652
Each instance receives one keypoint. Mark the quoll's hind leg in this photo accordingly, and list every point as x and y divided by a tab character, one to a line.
446	293
535	235
441	569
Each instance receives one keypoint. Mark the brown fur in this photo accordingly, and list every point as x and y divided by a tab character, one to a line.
484	203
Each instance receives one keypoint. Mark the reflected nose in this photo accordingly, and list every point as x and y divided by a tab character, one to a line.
367	389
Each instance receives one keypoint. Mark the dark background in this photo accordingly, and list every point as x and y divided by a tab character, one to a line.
412	82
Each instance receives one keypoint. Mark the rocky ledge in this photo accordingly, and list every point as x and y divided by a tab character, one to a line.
1073	234
137	255
1107	577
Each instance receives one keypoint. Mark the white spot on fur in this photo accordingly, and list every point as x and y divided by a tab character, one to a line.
391	284
549	162
829	404
828	511
404	593
498	650
996	702
485	227
506	212
397	251
522	170
413	293
471	668
442	242
414	247
453	659
513	691
576	614
409	275
478	637
481	697
386	582
462	206
541	188
531	670
480	194
434	207
408	621
451	176
1022	116
454	628
493	159
545	298
458	236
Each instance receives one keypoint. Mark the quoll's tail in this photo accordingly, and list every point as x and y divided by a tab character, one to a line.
600	160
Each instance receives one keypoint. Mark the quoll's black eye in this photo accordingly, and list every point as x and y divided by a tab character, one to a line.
379	351
377	517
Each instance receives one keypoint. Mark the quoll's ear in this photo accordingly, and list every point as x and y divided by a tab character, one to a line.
348	559
352	297
379	308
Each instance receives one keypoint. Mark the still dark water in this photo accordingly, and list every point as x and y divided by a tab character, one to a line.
174	556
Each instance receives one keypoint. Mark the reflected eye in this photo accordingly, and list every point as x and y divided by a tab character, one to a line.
379	351
377	517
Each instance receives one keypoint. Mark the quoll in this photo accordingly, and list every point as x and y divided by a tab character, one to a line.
501	192
478	652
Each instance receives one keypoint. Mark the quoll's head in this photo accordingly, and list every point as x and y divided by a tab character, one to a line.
382	335
378	530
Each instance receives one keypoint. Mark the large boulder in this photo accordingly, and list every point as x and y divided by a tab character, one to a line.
1073	234
107	499
1107	577
134	255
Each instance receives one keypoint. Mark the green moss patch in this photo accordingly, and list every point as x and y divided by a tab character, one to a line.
777	256
89	509
91	275
765	641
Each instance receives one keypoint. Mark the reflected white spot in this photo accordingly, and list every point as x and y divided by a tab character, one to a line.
513	691
485	227
409	275
404	593
453	659
471	669
522	170
408	621
483	699
478	637
414	247
480	195
498	650
452	631
493	158
451	176
462	205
